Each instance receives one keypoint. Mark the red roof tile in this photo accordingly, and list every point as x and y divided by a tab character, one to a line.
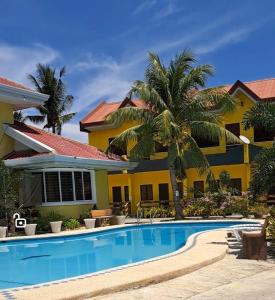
8	82
61	145
99	114
263	88
23	154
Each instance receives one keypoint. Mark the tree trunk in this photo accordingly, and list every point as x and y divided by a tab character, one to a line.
176	198
53	129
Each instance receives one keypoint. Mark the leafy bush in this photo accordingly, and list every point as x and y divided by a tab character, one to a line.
236	205
202	207
71	224
259	209
43	222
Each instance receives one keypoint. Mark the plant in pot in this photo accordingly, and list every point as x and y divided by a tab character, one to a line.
88	221
119	216
55	221
3	229
31	215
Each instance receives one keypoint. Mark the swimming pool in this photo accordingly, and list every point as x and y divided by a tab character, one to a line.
33	261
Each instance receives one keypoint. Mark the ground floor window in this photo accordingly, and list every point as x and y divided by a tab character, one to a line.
146	192
66	185
116	194
236	185
163	193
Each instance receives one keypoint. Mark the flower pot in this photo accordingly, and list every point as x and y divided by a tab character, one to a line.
30	229
56	226
3	231
89	223
118	220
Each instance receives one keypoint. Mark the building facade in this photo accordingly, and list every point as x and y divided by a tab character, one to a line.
150	180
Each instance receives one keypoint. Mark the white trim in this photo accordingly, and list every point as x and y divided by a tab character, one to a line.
26	140
21	98
94	198
67	203
63	161
239	89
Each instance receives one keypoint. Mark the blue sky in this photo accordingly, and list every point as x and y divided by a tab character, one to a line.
104	43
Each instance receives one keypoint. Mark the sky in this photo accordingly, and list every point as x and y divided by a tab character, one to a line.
104	44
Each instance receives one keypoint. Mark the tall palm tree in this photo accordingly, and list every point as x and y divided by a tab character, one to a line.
19	116
177	108
53	112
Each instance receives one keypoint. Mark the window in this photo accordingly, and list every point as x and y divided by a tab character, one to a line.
233	128
117	150
146	192
261	135
236	185
163	192
67	190
198	188
52	186
160	148
66	186
204	142
116	194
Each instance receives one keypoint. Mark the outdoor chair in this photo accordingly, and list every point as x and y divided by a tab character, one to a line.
237	229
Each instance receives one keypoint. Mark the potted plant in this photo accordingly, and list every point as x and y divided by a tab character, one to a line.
30	229
88	221
55	221
3	231
119	217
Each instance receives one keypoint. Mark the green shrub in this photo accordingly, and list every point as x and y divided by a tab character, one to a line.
201	207
236	205
71	224
259	209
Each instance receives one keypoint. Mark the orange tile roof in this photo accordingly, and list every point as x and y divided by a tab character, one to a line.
11	83
263	88
61	145
99	114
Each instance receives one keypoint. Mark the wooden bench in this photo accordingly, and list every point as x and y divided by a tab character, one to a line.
101	214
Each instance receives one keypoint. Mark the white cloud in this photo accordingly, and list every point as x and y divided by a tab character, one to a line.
223	41
146	4
17	61
92	63
167	10
72	131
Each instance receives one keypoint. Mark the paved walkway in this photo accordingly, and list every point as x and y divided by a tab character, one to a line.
227	279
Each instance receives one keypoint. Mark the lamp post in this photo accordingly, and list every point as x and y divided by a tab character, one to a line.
246	143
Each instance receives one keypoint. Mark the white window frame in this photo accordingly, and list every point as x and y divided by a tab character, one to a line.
74	201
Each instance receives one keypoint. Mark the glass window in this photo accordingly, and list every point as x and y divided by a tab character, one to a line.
67	186
236	185
52	186
122	150
87	186
116	194
233	128
261	135
78	186
146	192
126	193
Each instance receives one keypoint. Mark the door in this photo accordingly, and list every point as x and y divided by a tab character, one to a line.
163	194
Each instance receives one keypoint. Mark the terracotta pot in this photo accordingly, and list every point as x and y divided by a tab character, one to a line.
89	223
3	231
30	229
56	226
118	220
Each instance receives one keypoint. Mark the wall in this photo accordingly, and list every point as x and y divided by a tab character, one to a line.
102	194
73	211
6	116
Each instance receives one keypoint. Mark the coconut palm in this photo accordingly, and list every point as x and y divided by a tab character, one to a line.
19	116
177	108
53	112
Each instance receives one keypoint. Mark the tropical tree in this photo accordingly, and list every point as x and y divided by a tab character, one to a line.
54	110
262	115
19	116
177	108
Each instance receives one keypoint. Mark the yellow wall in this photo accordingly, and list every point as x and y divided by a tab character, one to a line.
102	196
6	116
68	211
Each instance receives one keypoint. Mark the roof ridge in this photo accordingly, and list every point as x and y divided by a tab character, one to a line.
257	80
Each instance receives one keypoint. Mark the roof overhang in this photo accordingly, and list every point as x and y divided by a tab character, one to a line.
238	86
21	98
26	140
62	161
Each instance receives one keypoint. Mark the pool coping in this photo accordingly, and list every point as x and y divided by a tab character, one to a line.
201	249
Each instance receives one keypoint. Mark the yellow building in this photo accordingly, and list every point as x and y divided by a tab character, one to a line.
150	180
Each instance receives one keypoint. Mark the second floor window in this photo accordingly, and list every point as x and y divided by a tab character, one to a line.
146	192
233	128
261	135
122	150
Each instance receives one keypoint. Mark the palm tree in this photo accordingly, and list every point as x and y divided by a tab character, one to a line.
177	108
53	112
19	116
262	115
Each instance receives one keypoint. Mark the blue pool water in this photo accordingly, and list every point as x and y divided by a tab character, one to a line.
29	262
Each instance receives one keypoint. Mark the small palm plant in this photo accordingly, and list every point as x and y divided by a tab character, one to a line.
54	110
176	108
